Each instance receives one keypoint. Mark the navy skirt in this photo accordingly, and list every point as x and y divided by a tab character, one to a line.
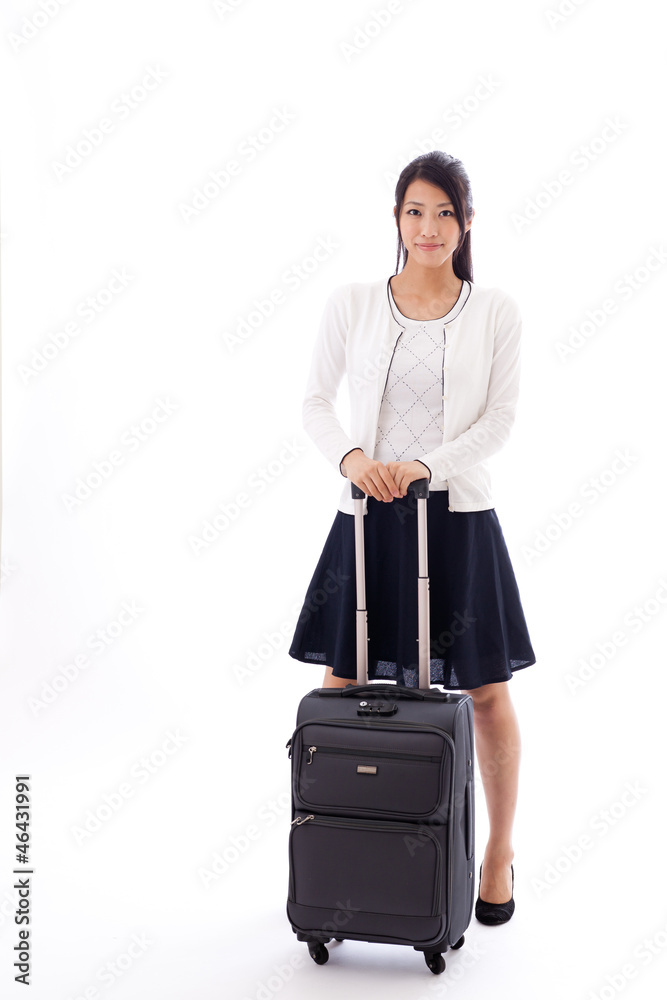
478	630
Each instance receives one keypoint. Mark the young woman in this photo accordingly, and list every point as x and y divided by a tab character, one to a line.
432	363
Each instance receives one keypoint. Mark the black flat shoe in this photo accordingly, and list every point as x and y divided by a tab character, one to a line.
494	913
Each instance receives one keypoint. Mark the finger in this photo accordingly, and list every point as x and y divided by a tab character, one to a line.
385	489
388	479
399	479
408	478
367	484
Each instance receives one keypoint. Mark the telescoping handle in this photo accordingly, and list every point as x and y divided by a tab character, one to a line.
420	488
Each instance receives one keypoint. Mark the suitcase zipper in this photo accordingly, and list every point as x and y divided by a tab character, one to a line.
386	726
359	824
301	819
367	752
410	725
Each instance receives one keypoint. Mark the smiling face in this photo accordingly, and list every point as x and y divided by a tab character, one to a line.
428	224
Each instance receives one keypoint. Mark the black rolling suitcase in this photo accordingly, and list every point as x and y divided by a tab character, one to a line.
381	844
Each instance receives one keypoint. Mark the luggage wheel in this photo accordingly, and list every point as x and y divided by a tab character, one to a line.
435	962
318	952
460	942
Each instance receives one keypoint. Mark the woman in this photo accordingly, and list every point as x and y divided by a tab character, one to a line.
432	362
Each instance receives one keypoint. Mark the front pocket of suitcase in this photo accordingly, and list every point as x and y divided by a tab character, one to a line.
365	878
365	773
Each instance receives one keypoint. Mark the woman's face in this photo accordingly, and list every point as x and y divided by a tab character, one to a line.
428	224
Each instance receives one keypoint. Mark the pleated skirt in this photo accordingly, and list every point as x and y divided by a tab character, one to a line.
478	628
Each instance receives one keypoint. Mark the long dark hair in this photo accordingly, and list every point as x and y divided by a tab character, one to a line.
447	173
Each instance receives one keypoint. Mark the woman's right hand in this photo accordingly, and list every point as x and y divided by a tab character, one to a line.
371	476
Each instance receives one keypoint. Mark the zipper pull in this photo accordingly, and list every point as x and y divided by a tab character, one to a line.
289	748
302	819
311	751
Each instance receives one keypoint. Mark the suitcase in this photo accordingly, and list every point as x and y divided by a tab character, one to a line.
381	843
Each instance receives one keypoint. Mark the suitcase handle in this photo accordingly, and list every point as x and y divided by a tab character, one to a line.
389	691
420	488
470	820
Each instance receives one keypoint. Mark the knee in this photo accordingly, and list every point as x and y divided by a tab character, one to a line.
489	697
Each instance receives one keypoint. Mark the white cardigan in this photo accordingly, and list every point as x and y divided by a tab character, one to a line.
357	336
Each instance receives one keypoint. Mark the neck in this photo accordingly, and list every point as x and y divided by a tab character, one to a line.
428	281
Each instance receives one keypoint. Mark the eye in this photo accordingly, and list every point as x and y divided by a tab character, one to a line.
446	211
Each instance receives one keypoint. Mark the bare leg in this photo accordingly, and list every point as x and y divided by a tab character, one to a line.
498	748
334	682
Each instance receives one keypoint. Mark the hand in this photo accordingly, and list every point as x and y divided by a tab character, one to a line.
405	473
371	476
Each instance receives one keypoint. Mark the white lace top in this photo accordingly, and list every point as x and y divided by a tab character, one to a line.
411	413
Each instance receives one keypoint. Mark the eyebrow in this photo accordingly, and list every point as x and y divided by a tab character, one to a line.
421	203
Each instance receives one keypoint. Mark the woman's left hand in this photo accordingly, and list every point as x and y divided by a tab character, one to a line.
405	473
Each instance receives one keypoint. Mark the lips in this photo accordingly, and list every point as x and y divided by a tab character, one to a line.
429	246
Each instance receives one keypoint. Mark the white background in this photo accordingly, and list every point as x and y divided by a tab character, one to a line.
189	703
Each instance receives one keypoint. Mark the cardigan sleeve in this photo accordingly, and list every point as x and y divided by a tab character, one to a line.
491	430
327	367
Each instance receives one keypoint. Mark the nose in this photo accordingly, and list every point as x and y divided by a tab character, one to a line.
429	232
